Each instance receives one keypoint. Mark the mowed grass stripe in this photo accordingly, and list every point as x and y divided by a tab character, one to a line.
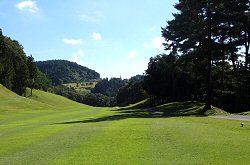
117	142
12	144
42	115
193	140
19	133
30	122
47	149
8	116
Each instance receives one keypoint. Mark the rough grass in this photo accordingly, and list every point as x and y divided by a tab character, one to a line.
71	133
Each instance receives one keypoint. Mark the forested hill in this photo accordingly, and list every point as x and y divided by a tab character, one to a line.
62	71
18	71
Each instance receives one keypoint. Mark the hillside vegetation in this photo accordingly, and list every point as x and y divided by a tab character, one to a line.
18	71
84	87
62	71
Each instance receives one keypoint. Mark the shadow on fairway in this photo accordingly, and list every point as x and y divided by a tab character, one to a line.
168	110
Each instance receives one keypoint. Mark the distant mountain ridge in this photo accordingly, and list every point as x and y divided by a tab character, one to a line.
63	71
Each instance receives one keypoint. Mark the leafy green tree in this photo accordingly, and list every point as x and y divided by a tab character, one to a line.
204	39
32	72
109	87
131	93
17	71
169	78
42	82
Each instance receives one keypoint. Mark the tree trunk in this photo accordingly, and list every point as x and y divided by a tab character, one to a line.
195	78
247	40
222	76
231	50
209	65
173	78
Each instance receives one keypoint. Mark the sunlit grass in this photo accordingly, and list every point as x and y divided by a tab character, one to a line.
70	133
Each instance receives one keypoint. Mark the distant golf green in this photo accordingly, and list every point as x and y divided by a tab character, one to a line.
50	129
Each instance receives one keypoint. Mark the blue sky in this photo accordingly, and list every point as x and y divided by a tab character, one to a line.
114	37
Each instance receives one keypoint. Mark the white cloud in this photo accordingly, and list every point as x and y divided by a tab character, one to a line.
72	41
28	5
97	36
99	14
78	57
95	17
88	18
132	55
151	29
156	43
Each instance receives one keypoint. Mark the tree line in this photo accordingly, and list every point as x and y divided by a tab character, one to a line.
207	58
108	92
17	71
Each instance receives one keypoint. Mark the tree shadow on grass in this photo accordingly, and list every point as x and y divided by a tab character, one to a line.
167	110
188	108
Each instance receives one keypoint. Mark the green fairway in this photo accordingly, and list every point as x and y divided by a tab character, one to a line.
49	129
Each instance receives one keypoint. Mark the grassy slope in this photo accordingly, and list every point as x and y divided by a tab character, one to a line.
69	133
188	108
245	113
12	102
52	99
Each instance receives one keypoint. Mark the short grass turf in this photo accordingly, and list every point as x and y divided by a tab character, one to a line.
71	133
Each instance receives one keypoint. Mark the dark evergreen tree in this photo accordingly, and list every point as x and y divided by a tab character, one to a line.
131	93
204	40
109	87
17	71
32	73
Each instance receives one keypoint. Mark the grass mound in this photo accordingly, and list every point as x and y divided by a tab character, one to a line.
216	111
140	105
181	109
245	113
12	102
189	108
6	93
51	99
